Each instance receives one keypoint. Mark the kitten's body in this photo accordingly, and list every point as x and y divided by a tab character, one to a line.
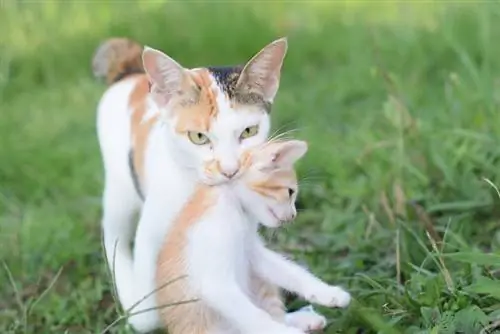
213	254
162	129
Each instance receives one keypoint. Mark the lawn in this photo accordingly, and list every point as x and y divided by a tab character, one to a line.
399	102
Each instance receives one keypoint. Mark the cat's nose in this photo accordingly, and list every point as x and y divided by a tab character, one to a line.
229	173
228	169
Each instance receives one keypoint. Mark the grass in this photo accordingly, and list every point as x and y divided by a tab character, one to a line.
399	102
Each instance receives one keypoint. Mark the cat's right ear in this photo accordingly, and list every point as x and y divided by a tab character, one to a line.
261	75
165	74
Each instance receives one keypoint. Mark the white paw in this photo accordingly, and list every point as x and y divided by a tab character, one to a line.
281	329
306	319
331	296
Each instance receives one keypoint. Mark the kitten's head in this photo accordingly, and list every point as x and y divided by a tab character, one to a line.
214	114
268	187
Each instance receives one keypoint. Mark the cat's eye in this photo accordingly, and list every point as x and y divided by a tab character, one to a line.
198	138
249	132
291	192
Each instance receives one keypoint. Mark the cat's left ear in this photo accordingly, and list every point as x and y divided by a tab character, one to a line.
287	153
166	75
261	75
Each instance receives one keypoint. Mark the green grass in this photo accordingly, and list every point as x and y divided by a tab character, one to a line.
400	105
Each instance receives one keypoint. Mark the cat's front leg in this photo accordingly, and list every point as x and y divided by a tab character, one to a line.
145	316
290	276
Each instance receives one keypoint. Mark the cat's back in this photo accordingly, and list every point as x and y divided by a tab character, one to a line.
125	113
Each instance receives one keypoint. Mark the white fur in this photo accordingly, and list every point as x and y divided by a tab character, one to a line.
172	167
224	247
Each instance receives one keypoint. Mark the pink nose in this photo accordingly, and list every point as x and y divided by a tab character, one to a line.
229	173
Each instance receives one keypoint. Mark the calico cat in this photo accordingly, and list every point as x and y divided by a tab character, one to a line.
213	254
163	128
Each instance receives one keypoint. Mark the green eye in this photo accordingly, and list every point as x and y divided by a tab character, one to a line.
249	132
198	138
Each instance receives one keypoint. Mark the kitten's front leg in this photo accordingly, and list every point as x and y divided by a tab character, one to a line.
214	280
227	298
290	276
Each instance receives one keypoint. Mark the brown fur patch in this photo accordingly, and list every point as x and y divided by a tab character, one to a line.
275	185
116	58
192	317
268	297
140	129
197	114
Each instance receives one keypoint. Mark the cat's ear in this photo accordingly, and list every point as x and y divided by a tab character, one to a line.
262	73
165	74
287	153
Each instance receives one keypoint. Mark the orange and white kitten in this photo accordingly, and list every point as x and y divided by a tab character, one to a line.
162	129
213	253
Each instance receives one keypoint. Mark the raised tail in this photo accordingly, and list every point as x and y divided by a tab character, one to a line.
117	58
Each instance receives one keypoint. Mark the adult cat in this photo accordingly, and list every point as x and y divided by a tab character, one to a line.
213	253
162	128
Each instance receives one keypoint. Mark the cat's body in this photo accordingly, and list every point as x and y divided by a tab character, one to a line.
213	254
163	128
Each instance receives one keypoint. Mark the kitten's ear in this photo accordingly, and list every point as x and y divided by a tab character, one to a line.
166	75
286	154
262	73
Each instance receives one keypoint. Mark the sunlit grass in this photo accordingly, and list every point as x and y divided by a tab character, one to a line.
398	100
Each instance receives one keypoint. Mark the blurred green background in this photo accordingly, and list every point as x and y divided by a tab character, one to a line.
399	101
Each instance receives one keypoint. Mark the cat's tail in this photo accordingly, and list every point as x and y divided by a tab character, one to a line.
117	58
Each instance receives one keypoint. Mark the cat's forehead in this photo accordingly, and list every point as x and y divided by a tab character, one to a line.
216	99
227	78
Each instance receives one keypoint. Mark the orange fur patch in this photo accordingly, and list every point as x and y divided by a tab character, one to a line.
198	115
192	317
275	185
140	129
268	297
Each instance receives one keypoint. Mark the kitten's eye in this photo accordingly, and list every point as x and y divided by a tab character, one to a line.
249	132
291	192
198	138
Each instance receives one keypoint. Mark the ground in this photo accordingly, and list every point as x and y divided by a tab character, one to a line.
399	102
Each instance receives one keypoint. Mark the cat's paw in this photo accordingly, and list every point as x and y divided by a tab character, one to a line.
306	319
331	296
281	329
285	330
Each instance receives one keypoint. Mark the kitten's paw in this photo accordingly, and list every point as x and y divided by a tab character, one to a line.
284	330
306	319
331	296
280	329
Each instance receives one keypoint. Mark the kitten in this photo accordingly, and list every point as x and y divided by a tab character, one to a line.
213	253
162	129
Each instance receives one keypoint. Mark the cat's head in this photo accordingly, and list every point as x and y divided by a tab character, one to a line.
268	187
215	114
